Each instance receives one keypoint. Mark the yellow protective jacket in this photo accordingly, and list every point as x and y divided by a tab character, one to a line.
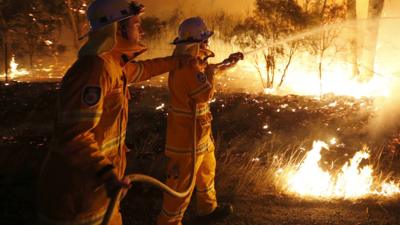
89	141
189	86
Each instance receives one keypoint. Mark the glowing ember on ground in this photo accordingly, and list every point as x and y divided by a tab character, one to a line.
308	179
160	107
48	42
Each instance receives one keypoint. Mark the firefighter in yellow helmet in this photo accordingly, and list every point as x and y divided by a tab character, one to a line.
191	88
86	162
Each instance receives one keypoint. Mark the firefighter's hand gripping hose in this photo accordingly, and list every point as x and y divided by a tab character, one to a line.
230	61
141	178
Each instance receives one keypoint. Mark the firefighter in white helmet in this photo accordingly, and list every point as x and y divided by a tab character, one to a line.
191	88
86	163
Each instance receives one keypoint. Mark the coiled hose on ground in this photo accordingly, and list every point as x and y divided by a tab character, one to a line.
141	178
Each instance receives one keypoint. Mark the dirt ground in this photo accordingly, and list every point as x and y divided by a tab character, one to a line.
245	127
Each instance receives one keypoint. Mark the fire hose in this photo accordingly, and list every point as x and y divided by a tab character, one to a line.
141	178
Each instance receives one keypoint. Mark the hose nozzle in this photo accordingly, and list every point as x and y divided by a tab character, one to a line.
231	60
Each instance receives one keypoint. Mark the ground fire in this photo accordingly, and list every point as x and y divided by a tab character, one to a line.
351	182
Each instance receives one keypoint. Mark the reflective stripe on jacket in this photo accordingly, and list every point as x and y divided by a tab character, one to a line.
189	86
90	134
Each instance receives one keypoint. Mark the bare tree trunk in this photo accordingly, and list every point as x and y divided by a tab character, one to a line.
323	8
260	73
306	5
31	59
273	70
31	49
291	53
321	59
352	15
268	69
375	9
4	33
320	73
322	49
6	56
74	26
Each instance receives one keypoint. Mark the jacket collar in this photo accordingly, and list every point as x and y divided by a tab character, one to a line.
125	52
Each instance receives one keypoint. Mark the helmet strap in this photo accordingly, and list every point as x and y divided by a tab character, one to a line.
124	26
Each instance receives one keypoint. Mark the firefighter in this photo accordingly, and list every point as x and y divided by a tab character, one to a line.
86	161
191	89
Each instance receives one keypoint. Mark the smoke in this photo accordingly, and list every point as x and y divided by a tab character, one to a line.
387	118
163	8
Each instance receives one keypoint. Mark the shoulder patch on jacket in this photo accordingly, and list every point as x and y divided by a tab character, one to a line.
201	77
91	95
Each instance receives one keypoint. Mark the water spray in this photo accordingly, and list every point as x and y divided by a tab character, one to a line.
313	31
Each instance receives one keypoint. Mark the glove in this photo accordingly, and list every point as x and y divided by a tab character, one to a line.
233	58
230	62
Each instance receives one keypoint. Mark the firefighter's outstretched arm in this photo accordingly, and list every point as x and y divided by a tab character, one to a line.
138	71
79	112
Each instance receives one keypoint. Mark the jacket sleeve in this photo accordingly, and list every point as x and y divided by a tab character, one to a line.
79	111
138	71
200	84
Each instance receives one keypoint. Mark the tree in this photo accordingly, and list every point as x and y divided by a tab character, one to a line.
175	18
271	22
352	16
31	22
153	27
375	9
327	16
223	23
4	44
37	28
72	14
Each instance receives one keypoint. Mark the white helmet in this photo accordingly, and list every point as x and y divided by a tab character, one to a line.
101	13
192	30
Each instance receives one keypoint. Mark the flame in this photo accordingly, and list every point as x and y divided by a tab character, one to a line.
15	72
40	72
302	75
302	79
308	179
